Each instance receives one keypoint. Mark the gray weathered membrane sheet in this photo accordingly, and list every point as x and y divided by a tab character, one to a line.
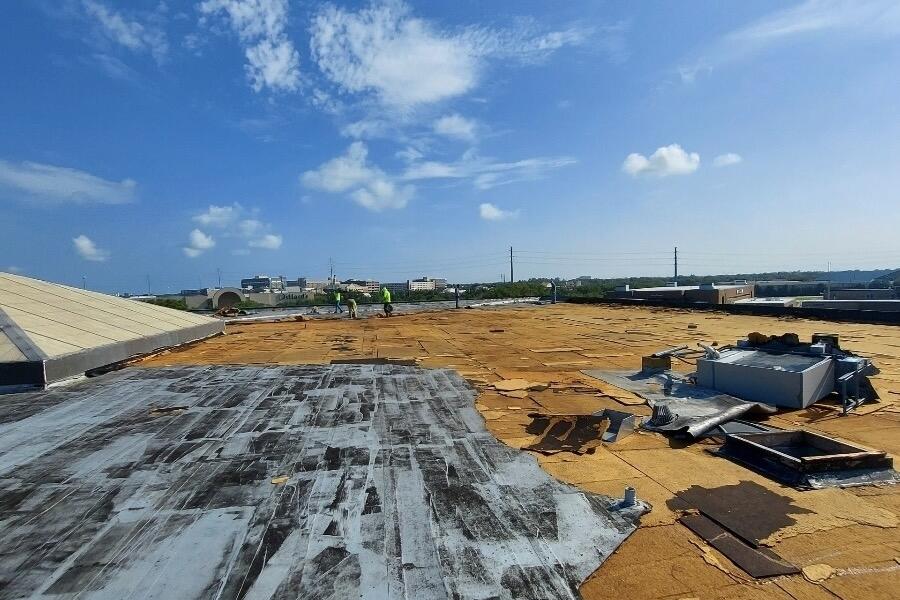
699	410
394	490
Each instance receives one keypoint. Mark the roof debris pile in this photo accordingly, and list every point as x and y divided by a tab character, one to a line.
688	408
330	481
736	519
579	434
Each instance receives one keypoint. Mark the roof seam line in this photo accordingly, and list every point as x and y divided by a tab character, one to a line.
20	339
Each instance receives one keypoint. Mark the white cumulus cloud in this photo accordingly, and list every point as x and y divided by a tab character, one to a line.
218	216
490	212
371	187
127	32
48	184
407	61
198	243
667	160
727	159
456	126
88	250
236	224
250	227
272	60
269	241
367	185
486	173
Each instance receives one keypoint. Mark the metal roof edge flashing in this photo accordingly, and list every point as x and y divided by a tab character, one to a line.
77	363
20	339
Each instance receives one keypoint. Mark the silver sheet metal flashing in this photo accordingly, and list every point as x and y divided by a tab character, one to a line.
680	407
40	370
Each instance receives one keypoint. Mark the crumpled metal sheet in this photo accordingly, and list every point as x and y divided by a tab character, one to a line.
698	410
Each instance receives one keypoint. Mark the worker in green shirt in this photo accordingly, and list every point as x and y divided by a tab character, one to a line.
386	297
351	307
337	302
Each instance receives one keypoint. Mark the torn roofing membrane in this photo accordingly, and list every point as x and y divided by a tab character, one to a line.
332	481
697	410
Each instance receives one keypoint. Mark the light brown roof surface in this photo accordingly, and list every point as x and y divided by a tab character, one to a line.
853	531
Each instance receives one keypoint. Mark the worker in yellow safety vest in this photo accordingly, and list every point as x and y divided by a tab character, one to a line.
386	297
337	302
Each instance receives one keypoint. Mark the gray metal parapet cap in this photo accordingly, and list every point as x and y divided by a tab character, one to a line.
44	371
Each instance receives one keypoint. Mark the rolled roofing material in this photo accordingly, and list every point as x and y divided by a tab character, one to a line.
49	332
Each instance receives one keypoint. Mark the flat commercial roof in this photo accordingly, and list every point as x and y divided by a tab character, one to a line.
854	530
725	286
50	331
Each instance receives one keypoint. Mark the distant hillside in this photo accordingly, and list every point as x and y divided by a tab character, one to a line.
877	278
860	276
889	276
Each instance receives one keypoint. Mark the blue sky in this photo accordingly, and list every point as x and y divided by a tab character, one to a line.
171	139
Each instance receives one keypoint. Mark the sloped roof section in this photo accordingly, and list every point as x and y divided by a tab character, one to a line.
50	331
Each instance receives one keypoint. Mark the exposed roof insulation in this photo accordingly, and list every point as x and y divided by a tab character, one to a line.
50	331
854	530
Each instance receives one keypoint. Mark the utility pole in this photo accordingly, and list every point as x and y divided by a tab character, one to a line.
83	282
219	276
512	279
676	265
149	293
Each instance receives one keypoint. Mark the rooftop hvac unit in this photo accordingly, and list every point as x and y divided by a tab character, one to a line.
789	380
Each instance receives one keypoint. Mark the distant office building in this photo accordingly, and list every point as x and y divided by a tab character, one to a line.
421	285
862	294
873	305
369	286
259	283
299	283
317	285
707	293
784	287
439	283
765	301
397	288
